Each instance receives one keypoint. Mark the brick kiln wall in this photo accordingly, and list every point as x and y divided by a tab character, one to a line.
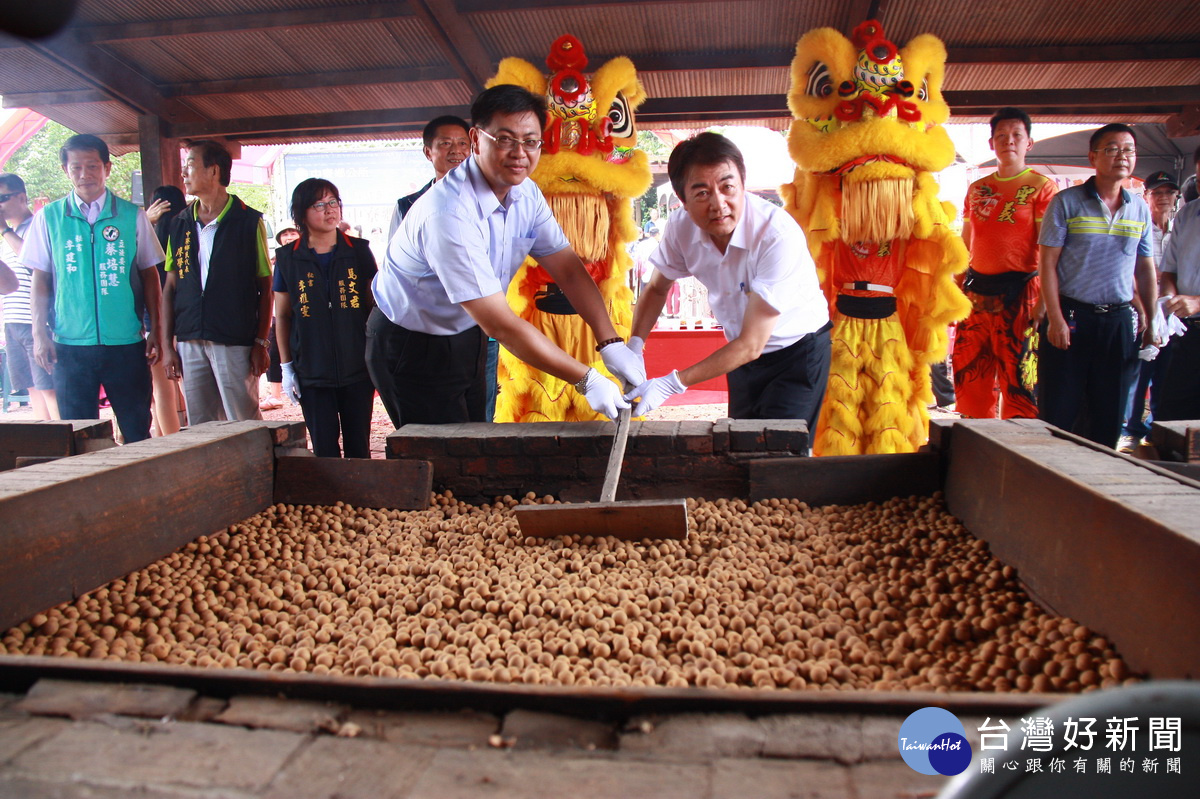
479	461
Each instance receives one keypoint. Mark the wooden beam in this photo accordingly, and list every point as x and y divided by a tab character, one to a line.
364	483
1185	123
279	83
223	23
160	155
112	76
1167	98
337	120
37	99
458	41
72	525
478	6
1157	51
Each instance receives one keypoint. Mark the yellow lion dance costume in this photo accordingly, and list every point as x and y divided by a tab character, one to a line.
589	171
866	139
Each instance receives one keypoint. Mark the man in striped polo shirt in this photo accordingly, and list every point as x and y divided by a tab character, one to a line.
1095	244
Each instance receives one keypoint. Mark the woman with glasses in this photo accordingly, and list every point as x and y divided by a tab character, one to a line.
322	301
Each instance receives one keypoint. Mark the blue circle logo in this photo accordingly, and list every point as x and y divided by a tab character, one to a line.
933	741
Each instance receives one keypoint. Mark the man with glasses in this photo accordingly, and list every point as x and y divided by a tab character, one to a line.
441	287
1162	195
217	298
23	371
446	146
1095	243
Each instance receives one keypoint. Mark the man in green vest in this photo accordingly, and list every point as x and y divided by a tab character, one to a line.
94	259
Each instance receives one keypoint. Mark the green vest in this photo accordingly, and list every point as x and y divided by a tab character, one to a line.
97	288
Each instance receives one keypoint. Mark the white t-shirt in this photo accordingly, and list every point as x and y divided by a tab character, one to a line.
767	255
459	243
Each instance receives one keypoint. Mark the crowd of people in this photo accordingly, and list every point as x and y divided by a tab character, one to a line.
1072	292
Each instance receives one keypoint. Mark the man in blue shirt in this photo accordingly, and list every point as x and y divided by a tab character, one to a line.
440	289
1181	280
1095	241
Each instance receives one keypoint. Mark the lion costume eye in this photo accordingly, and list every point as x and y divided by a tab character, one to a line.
622	120
923	92
820	84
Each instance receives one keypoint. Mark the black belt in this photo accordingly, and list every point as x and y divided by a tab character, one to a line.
866	307
551	300
1008	285
1076	305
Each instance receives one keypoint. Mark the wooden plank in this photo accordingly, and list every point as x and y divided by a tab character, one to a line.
52	438
630	521
73	525
846	480
401	484
1177	441
1120	566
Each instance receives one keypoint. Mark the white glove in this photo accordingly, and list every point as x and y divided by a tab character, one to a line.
624	363
602	394
291	386
637	344
655	392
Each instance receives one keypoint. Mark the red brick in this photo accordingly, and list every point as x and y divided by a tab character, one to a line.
560	466
787	435
720	435
586	438
747	435
694	437
445	468
541	438
654	438
497	466
504	441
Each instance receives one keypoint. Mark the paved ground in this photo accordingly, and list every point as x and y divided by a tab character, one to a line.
79	740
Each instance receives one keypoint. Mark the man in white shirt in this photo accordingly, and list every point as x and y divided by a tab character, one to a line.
440	289
762	286
95	262
23	371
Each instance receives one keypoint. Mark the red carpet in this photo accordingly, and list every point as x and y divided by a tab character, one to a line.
695	396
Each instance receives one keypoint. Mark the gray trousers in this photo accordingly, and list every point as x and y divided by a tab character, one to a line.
217	382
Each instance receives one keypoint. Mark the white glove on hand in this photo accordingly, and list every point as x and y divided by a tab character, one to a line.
624	363
655	392
291	386
637	344
602	394
1148	353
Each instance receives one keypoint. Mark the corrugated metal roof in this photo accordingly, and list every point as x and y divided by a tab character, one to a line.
318	64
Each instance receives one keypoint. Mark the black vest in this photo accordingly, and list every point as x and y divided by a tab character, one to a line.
329	317
225	311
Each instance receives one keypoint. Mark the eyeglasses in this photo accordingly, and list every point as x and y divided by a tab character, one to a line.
1163	192
321	206
508	143
446	144
5	197
1113	151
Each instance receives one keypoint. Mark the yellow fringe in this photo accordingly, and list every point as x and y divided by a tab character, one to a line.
584	219
877	210
875	398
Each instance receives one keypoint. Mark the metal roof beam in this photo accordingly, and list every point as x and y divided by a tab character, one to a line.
112	76
223	23
31	99
279	83
458	41
336	120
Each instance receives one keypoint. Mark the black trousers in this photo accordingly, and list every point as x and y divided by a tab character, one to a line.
1083	389
344	411
785	384
424	379
1181	389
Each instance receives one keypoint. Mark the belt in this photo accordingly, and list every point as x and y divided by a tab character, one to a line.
1102	308
862	285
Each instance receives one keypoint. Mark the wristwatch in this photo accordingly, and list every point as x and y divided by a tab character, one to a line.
262	342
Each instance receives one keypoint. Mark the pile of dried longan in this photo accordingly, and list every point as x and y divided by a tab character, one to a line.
771	595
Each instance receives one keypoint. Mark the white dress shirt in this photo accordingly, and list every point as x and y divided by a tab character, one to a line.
767	255
459	243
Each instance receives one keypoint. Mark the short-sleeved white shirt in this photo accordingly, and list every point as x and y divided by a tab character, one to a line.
767	255
36	252
459	243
